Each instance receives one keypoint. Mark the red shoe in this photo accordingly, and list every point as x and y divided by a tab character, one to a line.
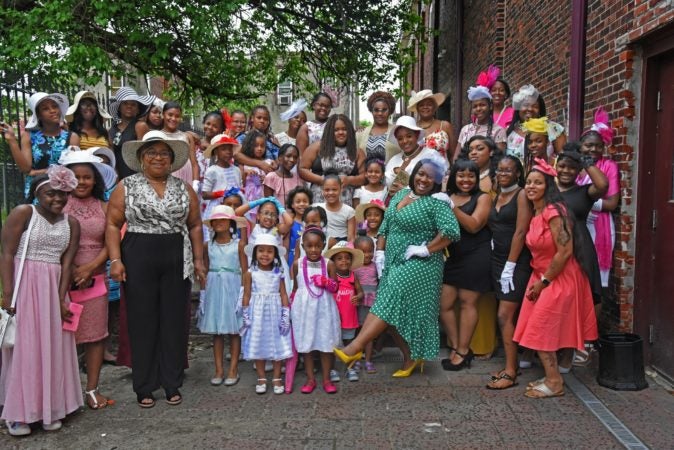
309	387
329	388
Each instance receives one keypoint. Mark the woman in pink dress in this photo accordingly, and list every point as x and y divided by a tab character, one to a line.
558	311
40	380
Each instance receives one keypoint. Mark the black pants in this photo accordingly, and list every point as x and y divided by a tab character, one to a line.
156	305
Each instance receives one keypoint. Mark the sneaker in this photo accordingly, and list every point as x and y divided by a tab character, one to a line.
352	375
369	367
334	376
18	428
54	426
356	366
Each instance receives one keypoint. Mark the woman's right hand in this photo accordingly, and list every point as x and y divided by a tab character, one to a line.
7	131
118	271
7	303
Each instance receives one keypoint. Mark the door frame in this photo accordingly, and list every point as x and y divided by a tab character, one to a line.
652	47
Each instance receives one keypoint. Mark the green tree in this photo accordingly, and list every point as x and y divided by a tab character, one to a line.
217	50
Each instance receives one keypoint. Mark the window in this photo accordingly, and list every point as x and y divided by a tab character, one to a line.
284	93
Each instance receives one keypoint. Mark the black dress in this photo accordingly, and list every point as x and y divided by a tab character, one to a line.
580	204
502	224
468	264
118	138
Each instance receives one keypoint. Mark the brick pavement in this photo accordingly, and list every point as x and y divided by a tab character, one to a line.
435	410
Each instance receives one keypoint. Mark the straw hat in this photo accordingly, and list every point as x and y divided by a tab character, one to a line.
220	140
73	155
405	122
345	246
362	207
264	239
438	98
179	148
225	212
37	98
126	94
70	114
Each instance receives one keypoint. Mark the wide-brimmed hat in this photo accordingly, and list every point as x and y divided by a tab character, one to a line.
105	151
180	149
225	212
127	94
37	98
70	114
416	97
219	140
347	247
73	155
405	122
362	207
264	239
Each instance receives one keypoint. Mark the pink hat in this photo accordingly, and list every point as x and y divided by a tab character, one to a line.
225	212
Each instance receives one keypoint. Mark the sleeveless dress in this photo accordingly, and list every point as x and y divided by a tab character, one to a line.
367	277
376	146
185	172
563	315
315	132
46	151
502	224
339	163
437	140
264	340
118	138
93	324
222	289
294	234
257	231
314	314
87	142
348	312
468	264
40	378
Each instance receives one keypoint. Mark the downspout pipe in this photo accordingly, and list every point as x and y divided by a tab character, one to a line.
457	98
577	68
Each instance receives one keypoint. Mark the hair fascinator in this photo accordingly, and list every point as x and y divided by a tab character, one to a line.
488	77
295	110
601	126
60	178
542	166
226	118
441	165
538	125
527	94
478	92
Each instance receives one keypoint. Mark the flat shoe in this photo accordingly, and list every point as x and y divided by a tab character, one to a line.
54	426
543	391
18	428
533	384
216	381
329	388
261	388
140	398
309	387
171	398
232	381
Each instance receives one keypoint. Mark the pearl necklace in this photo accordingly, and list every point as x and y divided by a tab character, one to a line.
413	196
509	188
484	174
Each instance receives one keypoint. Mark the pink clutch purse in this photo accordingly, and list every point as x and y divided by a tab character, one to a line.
97	289
76	309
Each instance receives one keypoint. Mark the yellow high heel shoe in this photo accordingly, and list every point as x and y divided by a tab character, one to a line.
406	373
346	359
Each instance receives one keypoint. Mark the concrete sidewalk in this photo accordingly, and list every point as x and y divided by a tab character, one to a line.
435	410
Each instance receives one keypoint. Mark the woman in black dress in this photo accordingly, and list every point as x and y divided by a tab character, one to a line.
509	220
467	270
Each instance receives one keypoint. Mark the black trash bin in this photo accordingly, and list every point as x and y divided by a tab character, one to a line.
621	362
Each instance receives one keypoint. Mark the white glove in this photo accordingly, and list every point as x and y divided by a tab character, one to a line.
379	259
417	250
195	185
506	279
597	205
444	198
591	218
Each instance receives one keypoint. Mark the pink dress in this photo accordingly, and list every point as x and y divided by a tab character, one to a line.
281	186
563	315
348	312
93	324
40	379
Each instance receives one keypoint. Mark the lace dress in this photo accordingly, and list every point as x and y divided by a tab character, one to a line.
40	377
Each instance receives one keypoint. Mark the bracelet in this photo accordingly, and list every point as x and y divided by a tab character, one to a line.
112	261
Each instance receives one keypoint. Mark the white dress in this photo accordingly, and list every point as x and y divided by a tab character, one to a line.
365	196
263	340
315	320
259	230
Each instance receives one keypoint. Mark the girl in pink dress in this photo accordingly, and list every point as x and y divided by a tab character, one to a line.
40	380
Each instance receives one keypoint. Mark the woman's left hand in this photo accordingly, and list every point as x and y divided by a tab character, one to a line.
66	314
200	271
535	290
82	275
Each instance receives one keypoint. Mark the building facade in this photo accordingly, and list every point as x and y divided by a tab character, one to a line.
580	55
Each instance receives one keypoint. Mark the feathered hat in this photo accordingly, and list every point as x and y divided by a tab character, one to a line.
488	77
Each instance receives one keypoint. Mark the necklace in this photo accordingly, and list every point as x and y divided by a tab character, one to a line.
509	188
413	196
484	174
413	154
156	182
427	126
307	281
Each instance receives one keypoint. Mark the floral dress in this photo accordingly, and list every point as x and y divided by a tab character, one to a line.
46	151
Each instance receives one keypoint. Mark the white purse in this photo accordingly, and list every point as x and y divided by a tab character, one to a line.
8	321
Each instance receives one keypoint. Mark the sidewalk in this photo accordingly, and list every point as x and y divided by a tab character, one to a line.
435	410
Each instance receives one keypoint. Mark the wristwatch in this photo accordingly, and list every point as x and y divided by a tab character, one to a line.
545	281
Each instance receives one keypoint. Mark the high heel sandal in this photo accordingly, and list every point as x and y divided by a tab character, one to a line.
465	362
346	359
407	372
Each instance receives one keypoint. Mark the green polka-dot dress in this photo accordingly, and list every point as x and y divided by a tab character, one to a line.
409	291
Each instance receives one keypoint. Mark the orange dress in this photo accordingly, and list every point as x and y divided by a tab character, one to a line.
563	316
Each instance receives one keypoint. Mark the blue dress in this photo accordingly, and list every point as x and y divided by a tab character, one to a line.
295	234
263	339
46	151
222	289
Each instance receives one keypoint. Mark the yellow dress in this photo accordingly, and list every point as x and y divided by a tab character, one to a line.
89	142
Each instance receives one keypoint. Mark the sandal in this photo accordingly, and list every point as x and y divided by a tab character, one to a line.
173	397
145	400
503	376
543	391
497	375
96	405
533	384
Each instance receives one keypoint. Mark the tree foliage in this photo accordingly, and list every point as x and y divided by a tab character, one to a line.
232	49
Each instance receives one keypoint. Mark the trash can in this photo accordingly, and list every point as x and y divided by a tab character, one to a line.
621	362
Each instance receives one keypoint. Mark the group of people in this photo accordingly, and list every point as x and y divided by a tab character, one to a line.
307	244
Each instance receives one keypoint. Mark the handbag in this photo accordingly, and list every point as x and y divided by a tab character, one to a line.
95	290
7	320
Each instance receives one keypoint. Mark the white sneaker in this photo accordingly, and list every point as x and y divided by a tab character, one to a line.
54	426
352	375
334	376
18	428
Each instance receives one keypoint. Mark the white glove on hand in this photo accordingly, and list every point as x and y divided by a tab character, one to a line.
195	185
597	205
417	250
506	279
379	259
444	198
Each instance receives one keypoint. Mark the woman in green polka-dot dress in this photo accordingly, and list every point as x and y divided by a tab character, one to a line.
418	225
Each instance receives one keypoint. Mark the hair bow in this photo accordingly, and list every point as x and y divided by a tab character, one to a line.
232	191
543	167
61	178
